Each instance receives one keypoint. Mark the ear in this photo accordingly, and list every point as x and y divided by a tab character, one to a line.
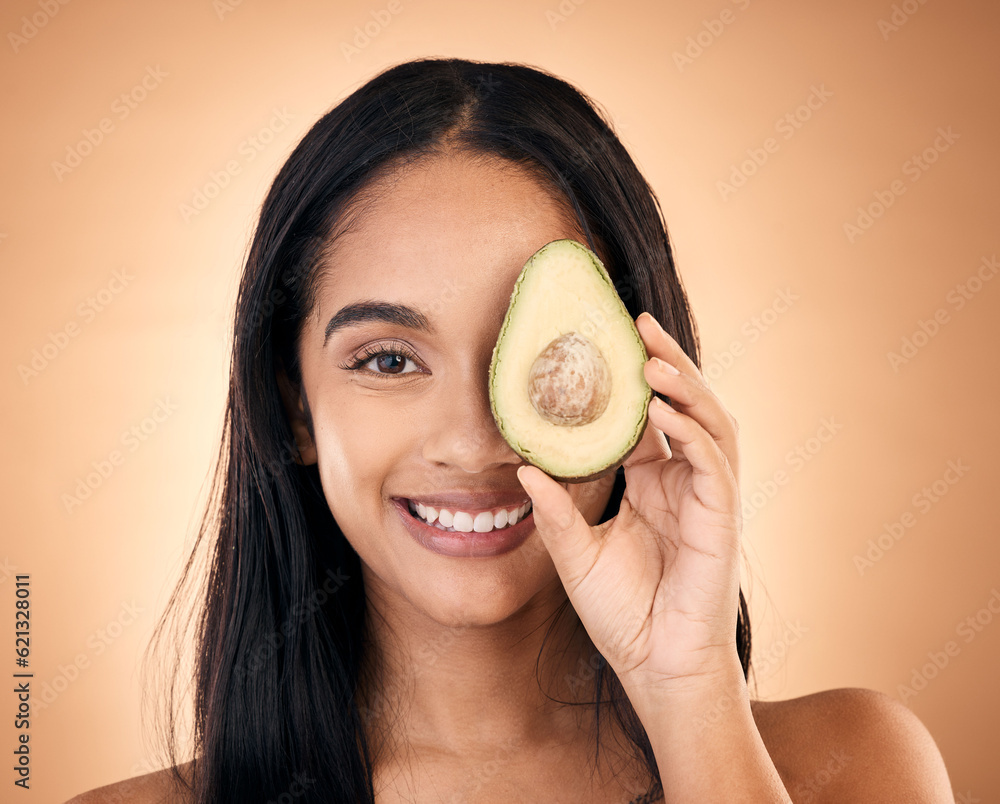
300	419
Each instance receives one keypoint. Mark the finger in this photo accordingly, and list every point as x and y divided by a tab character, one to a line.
712	478
691	397
659	343
566	534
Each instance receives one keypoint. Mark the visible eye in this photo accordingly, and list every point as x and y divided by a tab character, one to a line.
388	360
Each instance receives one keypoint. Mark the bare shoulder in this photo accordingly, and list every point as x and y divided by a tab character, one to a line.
158	787
852	745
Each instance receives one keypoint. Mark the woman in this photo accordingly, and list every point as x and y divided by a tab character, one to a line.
603	659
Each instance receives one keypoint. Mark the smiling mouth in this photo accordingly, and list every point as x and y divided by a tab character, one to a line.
453	521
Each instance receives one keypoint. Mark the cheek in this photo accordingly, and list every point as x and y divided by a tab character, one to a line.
592	498
359	441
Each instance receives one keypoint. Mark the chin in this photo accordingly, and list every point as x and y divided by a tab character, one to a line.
478	600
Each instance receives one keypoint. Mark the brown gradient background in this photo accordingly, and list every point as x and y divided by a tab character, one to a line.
166	335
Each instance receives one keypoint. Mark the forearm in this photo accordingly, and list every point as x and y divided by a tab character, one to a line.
706	743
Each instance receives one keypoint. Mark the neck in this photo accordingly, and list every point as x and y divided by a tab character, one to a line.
464	689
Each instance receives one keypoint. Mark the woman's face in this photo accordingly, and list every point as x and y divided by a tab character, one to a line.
445	239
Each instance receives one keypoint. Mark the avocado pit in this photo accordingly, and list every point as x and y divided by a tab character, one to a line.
569	383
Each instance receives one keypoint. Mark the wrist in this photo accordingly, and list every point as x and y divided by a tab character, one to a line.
693	723
721	674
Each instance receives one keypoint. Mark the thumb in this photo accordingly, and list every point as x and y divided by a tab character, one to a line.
566	534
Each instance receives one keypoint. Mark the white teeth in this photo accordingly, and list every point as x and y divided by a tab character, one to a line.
464	522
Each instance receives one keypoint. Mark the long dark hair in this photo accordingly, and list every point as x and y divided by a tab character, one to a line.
280	629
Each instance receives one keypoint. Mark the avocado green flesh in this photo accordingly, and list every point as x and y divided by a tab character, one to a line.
564	288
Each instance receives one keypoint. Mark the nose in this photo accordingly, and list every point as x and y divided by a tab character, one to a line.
464	433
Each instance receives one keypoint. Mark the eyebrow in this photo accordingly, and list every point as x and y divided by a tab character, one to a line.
364	312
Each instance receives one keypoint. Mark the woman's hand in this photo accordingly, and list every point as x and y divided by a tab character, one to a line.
657	586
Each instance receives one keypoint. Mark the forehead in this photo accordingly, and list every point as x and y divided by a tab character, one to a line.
446	222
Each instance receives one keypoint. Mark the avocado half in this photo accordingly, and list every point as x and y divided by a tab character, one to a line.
566	384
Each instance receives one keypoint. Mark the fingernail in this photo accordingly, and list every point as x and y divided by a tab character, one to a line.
649	315
663	365
521	480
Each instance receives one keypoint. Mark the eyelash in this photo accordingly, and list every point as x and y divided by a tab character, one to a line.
377	350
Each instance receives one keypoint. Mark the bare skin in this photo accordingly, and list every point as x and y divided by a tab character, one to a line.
844	746
459	636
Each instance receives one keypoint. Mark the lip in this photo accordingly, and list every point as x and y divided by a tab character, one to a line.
465	545
475	503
